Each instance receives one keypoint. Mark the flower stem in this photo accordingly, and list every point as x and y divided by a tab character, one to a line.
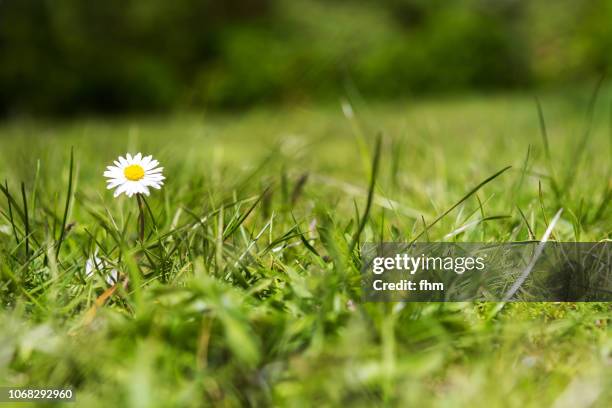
141	219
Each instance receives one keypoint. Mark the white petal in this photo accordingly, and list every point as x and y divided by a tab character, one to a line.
134	187
111	277
129	158
114	183
112	174
145	161
138	157
89	267
152	183
122	189
151	164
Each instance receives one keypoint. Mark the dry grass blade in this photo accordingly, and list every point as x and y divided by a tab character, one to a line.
91	313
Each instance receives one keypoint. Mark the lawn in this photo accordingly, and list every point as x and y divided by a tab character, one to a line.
246	290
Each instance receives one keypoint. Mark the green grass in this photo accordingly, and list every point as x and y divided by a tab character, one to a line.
245	290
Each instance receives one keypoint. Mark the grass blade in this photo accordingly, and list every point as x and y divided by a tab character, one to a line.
12	201
465	197
230	230
11	219
531	234
26	220
366	213
474	223
538	251
549	165
66	208
578	153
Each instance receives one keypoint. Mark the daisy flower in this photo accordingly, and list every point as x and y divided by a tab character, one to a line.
134	175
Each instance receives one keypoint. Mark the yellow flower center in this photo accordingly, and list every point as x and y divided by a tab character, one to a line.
134	172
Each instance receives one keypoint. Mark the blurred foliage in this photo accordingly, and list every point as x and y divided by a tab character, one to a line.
67	56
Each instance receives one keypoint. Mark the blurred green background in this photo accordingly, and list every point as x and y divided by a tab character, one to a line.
75	56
